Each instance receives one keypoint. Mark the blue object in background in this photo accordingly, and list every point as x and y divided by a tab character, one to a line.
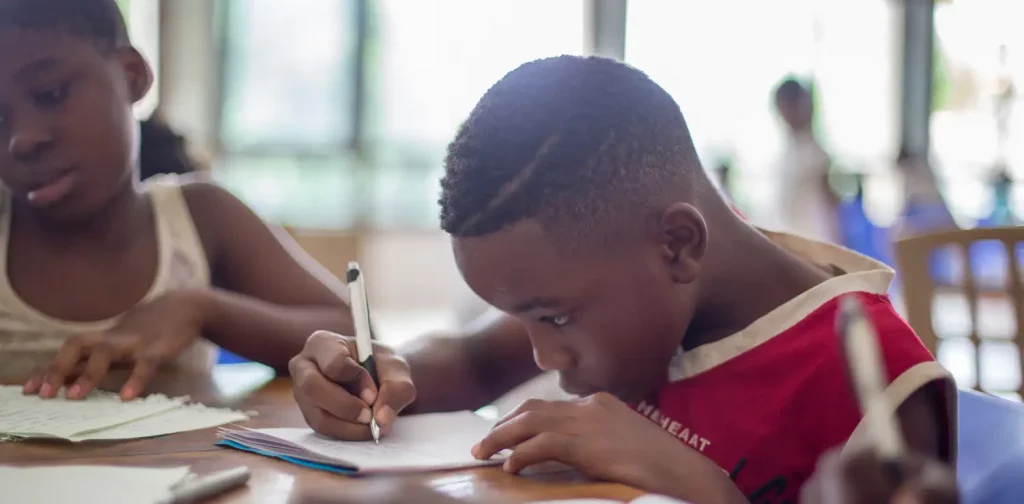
862	235
226	357
990	462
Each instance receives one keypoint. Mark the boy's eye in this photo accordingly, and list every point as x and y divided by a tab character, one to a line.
52	96
556	320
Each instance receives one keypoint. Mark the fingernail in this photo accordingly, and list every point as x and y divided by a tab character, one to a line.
368	396
364	416
45	390
30	387
74	391
475	451
507	466
386	415
128	392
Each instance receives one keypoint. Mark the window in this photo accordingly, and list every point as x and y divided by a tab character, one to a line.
721	60
288	108
288	75
979	70
290	84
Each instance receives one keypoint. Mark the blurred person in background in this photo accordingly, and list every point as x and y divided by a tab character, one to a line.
806	206
924	208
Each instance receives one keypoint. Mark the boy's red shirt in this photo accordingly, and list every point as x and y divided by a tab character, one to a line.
767	402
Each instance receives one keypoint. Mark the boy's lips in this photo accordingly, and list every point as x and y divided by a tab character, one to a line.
51	191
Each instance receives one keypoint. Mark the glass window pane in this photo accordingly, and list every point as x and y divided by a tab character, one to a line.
429	63
722	67
288	75
314	193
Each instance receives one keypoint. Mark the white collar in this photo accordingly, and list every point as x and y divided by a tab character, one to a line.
862	274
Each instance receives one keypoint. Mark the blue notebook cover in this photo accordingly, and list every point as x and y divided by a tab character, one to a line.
303	463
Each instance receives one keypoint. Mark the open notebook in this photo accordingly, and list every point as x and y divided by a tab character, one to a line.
432	442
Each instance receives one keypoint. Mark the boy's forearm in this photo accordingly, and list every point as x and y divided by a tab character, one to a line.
443	374
265	332
687	475
470	369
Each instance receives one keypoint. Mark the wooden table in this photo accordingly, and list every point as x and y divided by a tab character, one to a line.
275	481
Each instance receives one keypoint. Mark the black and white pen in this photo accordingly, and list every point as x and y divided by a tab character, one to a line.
364	338
867	374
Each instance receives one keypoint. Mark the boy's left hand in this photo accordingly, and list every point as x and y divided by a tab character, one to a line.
145	338
604	439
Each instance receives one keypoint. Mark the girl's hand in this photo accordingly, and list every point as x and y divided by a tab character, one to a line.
145	338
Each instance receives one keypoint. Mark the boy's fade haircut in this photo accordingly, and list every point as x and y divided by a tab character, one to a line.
99	21
585	145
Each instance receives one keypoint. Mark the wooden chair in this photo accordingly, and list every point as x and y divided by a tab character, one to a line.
332	249
916	257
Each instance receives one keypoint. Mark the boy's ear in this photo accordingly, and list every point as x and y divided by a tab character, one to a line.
683	237
137	72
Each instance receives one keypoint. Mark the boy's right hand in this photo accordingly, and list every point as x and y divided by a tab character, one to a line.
337	396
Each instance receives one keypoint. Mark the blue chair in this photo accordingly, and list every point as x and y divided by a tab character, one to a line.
990	462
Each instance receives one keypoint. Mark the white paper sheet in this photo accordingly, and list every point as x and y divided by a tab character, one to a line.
185	418
103	416
77	484
32	416
432	442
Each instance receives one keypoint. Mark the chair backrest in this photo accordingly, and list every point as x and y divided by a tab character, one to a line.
990	459
331	249
965	268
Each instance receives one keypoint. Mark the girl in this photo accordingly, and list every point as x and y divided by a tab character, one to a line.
98	270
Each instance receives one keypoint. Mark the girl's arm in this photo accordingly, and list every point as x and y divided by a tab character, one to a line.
269	296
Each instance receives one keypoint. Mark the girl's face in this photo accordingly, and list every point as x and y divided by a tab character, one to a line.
66	121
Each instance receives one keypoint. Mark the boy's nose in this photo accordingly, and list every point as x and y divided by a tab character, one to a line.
552	357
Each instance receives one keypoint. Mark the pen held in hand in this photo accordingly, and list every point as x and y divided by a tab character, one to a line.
364	338
867	375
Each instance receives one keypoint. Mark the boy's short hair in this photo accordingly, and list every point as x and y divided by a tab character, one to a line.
97	20
581	144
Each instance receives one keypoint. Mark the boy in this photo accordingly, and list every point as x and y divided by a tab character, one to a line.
704	350
100	272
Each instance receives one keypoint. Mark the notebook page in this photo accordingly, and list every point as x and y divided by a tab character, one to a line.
184	418
434	441
32	416
109	485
